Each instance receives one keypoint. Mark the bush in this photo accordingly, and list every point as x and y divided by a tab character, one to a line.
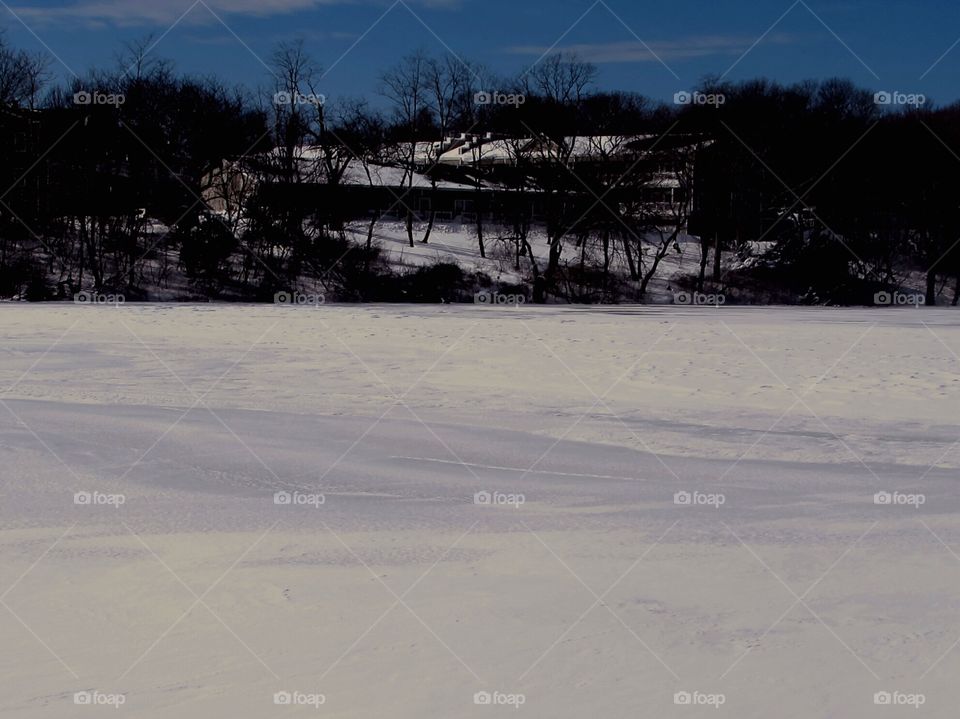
205	251
442	282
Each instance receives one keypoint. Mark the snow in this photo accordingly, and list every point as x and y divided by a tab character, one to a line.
398	596
395	177
456	242
452	242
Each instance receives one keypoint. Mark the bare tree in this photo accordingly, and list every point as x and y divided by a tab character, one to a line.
23	76
451	85
362	134
663	214
136	62
406	86
297	109
561	78
450	89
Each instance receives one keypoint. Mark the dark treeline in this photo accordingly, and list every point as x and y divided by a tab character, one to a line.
133	176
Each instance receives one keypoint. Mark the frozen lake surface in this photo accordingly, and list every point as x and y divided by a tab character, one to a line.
598	512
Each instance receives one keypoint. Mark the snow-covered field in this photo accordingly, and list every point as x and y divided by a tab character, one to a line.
175	584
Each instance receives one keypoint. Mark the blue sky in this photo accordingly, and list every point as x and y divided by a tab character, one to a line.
655	48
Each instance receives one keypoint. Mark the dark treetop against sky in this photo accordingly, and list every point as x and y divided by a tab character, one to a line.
655	48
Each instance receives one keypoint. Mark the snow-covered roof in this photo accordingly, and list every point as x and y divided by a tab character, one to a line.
390	176
487	150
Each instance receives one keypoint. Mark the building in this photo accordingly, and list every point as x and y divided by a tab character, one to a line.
463	176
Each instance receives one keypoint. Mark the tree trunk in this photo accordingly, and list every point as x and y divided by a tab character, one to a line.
483	250
704	250
370	228
539	290
606	252
661	252
634	275
478	208
553	265
80	271
716	259
426	236
931	294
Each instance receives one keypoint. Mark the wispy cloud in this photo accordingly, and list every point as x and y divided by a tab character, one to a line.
666	50
165	12
226	39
